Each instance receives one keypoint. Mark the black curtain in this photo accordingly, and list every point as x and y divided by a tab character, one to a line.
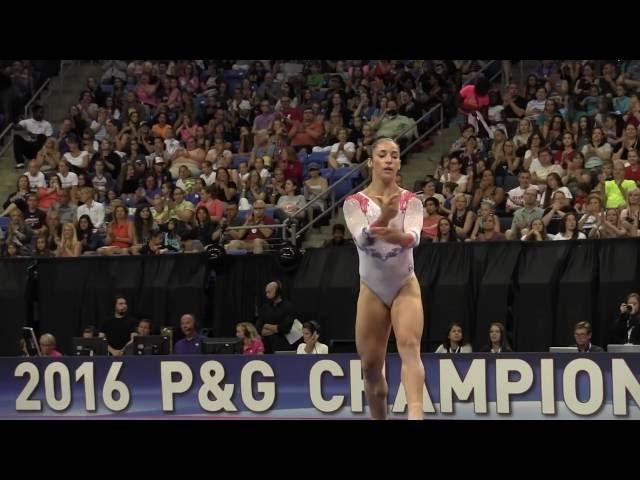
538	290
78	292
494	270
14	298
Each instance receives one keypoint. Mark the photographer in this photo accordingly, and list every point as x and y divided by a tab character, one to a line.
627	329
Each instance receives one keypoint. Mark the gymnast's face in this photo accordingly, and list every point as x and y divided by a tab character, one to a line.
385	161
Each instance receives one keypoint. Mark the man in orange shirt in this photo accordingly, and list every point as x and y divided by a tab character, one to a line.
161	129
305	133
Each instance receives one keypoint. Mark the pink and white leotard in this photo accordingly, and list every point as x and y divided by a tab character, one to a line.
384	267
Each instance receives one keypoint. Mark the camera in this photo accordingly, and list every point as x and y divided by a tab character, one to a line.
628	308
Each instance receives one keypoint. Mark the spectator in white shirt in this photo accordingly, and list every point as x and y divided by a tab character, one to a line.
35	176
90	207
342	153
30	136
310	336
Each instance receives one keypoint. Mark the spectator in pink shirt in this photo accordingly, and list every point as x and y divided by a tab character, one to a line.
48	346
252	343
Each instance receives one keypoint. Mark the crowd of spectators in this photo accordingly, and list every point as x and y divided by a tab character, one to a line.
166	156
553	159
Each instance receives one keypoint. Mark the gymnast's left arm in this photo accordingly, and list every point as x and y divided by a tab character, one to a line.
413	220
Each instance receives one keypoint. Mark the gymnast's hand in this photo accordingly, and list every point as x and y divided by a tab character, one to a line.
392	235
389	208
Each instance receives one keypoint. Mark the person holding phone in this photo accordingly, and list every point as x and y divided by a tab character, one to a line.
310	338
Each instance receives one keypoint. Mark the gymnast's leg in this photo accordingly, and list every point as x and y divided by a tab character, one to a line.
372	335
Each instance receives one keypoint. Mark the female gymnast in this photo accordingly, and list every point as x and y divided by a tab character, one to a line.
385	222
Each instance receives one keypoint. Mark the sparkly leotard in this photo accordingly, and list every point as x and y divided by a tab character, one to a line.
384	267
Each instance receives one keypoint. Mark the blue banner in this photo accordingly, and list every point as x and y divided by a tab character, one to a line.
465	386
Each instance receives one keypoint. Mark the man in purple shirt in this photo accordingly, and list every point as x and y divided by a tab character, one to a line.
264	121
191	344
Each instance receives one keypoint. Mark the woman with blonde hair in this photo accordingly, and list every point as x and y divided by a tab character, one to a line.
48	346
69	245
251	341
48	156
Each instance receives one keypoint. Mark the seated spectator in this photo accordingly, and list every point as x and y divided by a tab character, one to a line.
544	166
490	229
192	341
446	232
48	197
90	207
42	248
342	153
227	189
591	214
487	191
290	203
497	341
515	196
69	245
632	171
627	326
230	219
208	174
537	232
101	181
68	179
310	340
631	214
569	229
254	189
48	156
263	121
33	216
454	175
462	217
76	158
48	346
337	237
155	244
251	341
18	199
86	234
275	319
120	234
11	250
616	190
250	238
291	165
35	177
431	218
536	106
523	217
514	104
597	150
304	134
455	342
185	181
90	331
143	329
582	334
19	233
30	135
554	214
553	185
179	203
191	157
609	225
531	156
204	227
263	148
